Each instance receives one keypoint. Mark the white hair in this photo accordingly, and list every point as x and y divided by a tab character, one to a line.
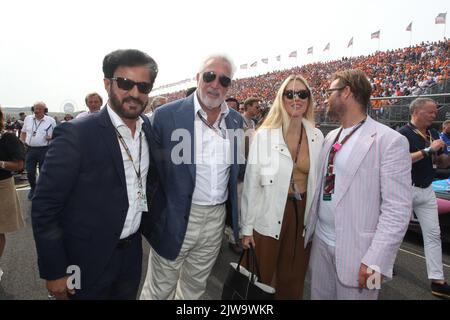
219	56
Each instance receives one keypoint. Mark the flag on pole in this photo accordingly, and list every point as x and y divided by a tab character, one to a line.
375	35
350	43
310	50
278	58
293	54
265	60
441	18
327	47
254	64
244	66
409	27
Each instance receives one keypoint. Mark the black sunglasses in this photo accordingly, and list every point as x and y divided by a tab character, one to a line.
301	94
210	76
329	91
127	84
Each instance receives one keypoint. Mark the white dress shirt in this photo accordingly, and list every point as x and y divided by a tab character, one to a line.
37	130
212	158
325	228
133	219
85	114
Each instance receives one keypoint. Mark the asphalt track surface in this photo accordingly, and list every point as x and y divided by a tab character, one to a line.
21	278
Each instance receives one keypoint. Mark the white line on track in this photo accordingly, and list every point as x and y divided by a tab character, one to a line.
419	256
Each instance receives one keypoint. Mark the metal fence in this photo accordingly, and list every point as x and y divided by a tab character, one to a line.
394	111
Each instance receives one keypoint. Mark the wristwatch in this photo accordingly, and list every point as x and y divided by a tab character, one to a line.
428	151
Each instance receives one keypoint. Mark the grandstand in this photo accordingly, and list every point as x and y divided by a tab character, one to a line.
396	76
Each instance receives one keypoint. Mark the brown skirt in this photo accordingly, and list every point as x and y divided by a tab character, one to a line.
283	263
10	213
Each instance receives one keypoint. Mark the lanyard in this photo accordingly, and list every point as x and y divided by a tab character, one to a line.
127	150
428	139
35	128
328	188
211	126
35	125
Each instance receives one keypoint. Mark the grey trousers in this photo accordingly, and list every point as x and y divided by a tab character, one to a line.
185	278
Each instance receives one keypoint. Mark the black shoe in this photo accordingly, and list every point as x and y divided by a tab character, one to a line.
235	247
440	290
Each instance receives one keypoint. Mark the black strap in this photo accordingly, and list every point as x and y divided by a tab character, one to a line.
252	263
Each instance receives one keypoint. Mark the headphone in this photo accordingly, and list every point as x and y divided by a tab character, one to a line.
45	110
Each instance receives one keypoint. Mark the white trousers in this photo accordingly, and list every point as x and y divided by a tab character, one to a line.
186	277
425	208
325	284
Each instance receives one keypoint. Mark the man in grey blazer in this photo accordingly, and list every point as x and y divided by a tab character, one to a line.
362	208
199	160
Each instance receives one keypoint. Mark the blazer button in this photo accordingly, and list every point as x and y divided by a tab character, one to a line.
276	236
190	196
279	222
271	181
312	140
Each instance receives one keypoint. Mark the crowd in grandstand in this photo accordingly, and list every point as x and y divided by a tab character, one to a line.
401	72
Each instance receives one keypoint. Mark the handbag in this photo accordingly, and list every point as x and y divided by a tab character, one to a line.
242	284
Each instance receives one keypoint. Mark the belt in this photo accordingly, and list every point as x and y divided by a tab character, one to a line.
125	242
421	185
37	147
292	196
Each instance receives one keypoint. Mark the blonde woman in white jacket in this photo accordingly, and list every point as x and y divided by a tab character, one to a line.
278	188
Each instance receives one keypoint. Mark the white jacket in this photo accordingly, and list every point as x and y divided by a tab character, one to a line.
267	179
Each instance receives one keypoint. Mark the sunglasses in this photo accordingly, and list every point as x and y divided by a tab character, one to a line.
331	90
127	84
301	94
210	76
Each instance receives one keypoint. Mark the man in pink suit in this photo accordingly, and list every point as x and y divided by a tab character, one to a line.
362	207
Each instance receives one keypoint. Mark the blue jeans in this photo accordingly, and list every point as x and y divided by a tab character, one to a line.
35	156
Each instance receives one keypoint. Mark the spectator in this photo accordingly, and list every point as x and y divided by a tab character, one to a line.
232	103
278	188
92	192
11	159
94	102
36	134
188	211
445	136
190	91
357	226
427	154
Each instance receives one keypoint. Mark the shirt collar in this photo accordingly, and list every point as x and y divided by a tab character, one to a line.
34	118
197	107
118	122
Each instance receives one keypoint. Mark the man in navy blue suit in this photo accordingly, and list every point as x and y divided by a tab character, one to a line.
88	204
199	157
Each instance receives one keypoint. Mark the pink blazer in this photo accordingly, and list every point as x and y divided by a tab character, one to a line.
373	213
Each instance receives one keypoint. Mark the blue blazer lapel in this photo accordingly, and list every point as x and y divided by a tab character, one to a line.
232	124
110	138
184	119
147	128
